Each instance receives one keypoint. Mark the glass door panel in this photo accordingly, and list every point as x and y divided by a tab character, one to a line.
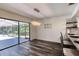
24	31
8	33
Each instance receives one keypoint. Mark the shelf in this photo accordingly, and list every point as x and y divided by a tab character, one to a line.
70	22
72	27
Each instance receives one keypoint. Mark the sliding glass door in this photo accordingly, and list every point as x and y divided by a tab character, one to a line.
24	31
12	33
8	33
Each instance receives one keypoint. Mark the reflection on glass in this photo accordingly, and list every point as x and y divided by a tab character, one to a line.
24	31
11	32
8	33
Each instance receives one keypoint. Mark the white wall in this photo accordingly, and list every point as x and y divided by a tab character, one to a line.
77	21
10	15
33	32
53	33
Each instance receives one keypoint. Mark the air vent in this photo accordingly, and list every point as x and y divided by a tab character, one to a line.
71	3
35	9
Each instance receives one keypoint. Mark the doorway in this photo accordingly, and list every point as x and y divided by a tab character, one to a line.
23	32
13	32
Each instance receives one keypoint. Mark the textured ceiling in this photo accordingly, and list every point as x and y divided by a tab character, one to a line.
46	9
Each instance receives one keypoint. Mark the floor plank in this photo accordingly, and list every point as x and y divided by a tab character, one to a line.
34	48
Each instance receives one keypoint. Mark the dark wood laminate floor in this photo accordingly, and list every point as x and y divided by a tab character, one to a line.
34	48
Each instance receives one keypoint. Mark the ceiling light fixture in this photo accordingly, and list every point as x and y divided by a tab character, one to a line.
35	23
